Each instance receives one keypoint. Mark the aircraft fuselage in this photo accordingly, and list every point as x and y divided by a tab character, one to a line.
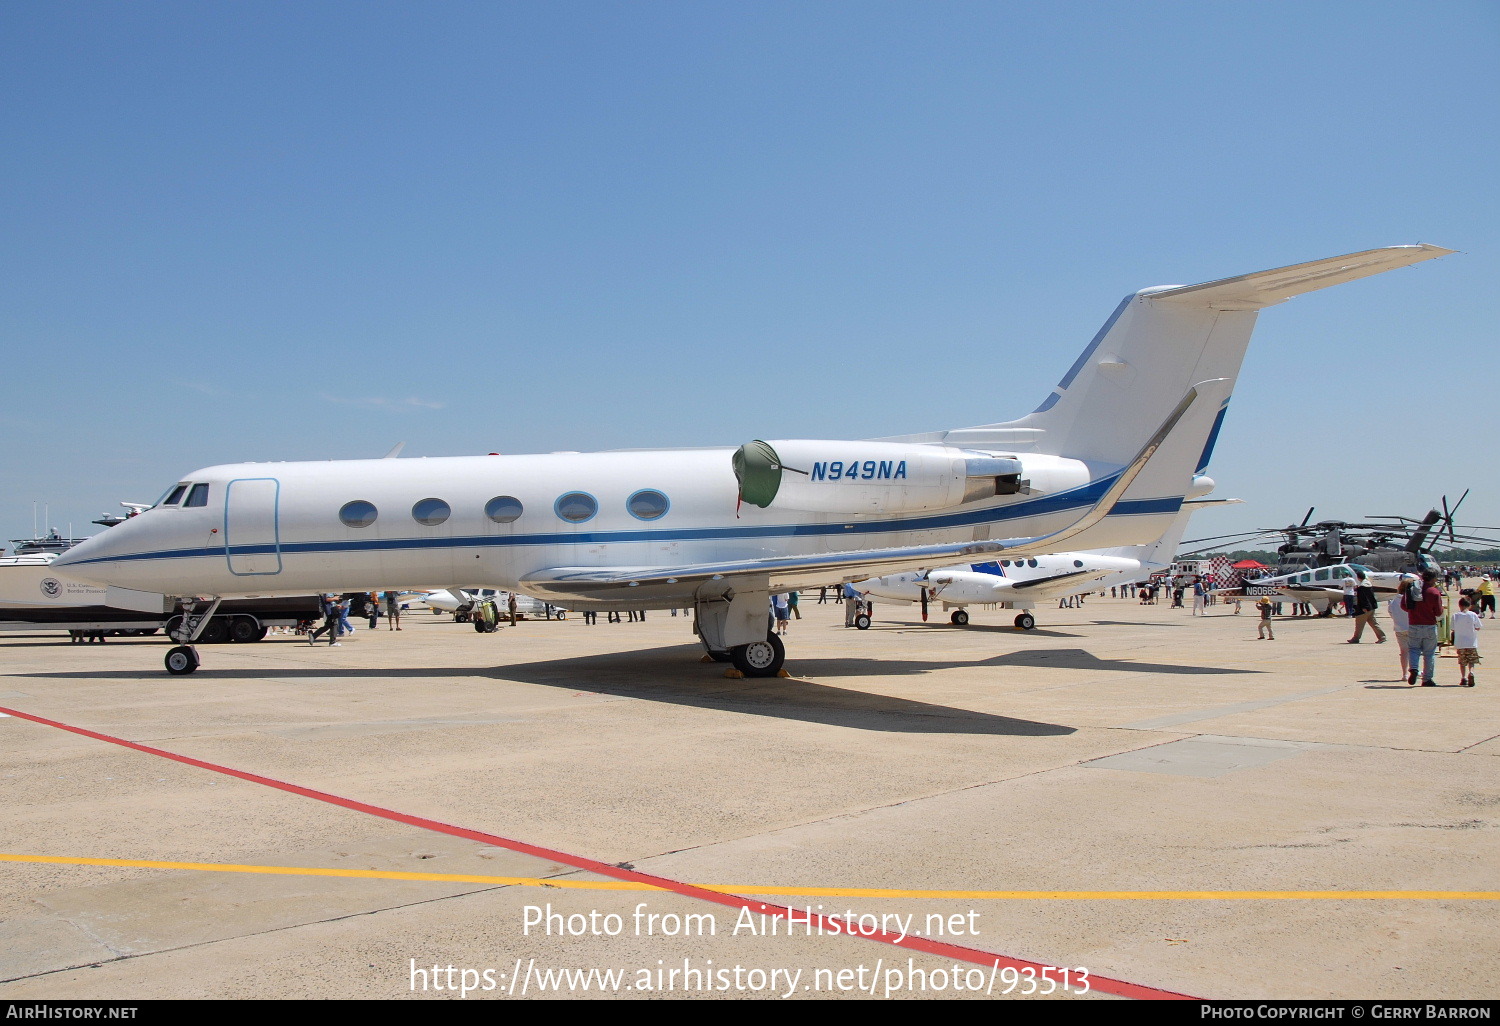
267	528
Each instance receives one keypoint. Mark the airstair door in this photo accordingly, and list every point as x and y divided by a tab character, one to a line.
252	540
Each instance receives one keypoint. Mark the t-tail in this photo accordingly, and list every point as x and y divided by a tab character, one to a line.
1159	343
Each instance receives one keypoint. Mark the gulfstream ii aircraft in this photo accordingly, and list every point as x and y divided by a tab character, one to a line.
1105	460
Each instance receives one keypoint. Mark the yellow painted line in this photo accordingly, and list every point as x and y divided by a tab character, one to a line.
815	892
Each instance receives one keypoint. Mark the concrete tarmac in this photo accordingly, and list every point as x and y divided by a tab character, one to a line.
1118	747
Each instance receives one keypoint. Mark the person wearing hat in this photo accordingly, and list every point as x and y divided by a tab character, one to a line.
1264	631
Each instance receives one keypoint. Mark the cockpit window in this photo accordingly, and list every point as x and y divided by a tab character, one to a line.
173	496
198	496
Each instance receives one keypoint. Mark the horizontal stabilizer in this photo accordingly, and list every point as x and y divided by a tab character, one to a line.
1267	288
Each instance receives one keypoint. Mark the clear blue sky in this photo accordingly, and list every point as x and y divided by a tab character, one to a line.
263	231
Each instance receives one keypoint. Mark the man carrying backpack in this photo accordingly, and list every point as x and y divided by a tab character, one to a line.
1423	603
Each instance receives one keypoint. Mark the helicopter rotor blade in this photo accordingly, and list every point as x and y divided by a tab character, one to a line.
1451	513
1241	534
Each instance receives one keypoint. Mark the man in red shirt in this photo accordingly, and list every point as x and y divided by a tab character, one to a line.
1423	605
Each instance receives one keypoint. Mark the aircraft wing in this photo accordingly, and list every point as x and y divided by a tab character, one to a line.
774	573
782	572
1042	582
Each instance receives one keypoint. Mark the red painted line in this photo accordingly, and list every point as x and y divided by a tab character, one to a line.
828	925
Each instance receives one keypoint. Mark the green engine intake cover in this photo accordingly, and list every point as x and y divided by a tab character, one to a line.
758	470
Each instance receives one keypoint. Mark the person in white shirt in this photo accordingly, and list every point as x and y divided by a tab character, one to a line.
1466	642
1400	624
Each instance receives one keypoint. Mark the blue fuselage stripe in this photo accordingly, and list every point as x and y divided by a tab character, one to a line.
1062	502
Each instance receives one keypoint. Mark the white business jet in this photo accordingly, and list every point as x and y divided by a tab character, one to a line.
1024	584
1105	460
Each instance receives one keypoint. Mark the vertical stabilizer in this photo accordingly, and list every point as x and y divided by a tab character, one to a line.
1158	343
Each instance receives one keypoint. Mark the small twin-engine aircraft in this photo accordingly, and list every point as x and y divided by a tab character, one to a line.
1105	460
1024	584
459	601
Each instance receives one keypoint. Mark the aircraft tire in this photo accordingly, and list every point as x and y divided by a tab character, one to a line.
759	658
862	621
244	629
960	618
181	660
1026	622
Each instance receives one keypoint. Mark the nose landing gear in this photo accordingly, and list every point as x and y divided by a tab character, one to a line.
183	658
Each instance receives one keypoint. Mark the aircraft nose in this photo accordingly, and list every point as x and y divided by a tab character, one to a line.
90	560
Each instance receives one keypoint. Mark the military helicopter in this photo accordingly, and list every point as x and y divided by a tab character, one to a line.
1316	558
1404	546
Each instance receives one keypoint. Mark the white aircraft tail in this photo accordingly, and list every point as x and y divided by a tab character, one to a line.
1163	551
1155	555
1159	343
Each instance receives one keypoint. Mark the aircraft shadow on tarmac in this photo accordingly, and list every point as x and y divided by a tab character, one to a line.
976	628
640	675
1132	623
674	675
1081	659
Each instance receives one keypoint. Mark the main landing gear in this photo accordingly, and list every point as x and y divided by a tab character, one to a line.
183	658
759	658
960	618
1026	622
735	627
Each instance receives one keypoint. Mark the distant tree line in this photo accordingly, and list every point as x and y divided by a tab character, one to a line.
1467	556
1271	558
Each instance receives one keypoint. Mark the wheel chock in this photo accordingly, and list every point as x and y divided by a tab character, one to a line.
733	674
782	673
706	658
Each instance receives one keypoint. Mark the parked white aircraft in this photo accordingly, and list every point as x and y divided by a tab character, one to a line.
1025	584
1105	460
461	600
1324	586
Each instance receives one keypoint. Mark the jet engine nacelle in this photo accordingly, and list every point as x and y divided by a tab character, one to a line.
886	477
